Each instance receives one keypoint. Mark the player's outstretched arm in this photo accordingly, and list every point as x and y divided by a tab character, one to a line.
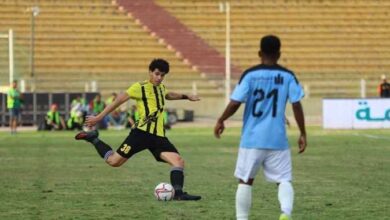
231	108
300	118
179	96
120	99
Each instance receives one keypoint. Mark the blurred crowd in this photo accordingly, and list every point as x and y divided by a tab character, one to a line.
80	109
120	118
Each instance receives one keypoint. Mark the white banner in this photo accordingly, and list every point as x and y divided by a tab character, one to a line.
356	113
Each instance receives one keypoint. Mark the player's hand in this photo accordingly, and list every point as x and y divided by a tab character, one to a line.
91	120
302	143
218	129
193	98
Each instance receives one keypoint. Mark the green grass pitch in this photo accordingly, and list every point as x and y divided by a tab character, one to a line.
48	175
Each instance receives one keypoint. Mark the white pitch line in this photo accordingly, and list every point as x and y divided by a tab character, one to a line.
372	136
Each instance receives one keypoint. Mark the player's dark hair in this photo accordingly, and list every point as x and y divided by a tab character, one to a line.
270	45
159	64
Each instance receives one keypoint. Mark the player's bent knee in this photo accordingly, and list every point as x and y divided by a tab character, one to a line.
113	163
116	160
177	162
173	159
180	162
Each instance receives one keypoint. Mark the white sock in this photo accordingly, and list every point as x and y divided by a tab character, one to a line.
286	197
243	201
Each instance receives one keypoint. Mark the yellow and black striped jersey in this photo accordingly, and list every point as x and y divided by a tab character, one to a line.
150	104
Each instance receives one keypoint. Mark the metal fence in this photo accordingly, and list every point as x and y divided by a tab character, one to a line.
36	105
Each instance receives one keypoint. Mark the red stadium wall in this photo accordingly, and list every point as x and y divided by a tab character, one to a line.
207	59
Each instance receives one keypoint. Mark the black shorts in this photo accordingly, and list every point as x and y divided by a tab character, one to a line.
14	112
139	140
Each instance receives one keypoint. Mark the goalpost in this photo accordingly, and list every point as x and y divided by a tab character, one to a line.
10	37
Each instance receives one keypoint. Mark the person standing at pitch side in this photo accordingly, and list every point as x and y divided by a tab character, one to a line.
265	89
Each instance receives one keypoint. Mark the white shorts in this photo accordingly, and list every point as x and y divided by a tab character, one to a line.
276	164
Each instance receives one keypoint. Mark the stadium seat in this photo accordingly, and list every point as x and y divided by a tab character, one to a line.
77	42
324	38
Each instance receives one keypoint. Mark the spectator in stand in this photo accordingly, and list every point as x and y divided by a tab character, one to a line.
384	88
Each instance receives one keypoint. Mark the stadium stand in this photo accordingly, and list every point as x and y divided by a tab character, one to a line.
79	41
331	45
193	48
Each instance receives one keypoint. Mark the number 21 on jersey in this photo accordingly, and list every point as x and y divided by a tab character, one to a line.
261	96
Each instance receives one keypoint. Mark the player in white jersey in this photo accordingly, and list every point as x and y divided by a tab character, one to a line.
265	90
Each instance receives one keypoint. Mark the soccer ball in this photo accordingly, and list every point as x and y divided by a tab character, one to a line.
164	192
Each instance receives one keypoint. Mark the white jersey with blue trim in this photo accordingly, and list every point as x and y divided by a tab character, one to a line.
265	90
